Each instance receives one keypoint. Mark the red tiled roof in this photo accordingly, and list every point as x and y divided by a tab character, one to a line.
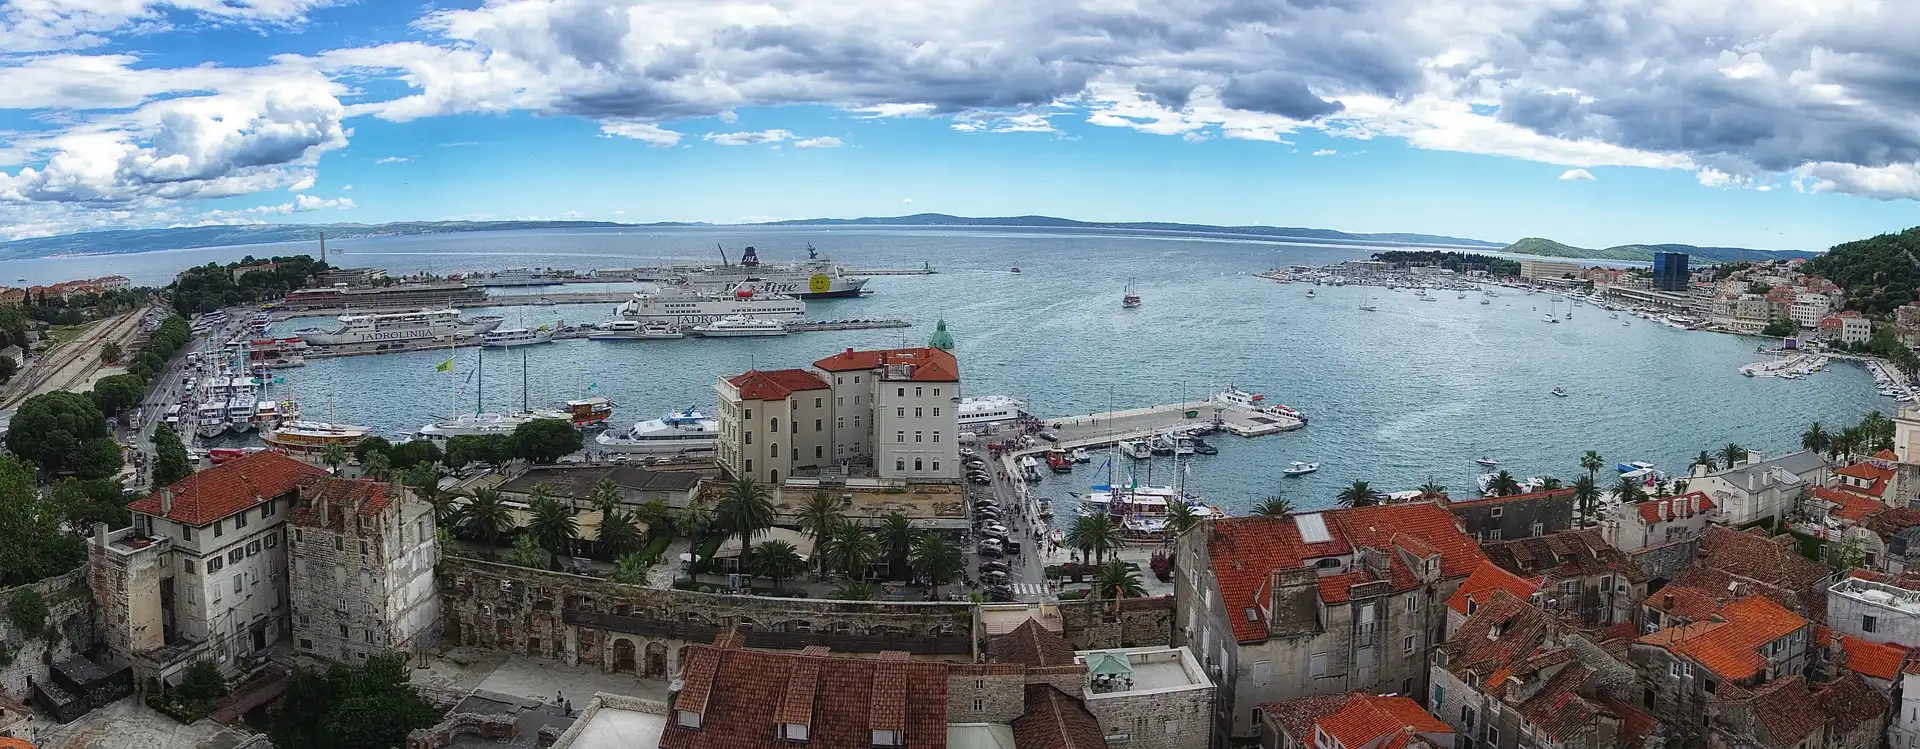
741	695
341	496
1687	602
1298	717
1054	720
1031	644
1486	578
1787	710
1885	454
927	364
1245	551
1764	560
228	488
1666	509
1876	659
1848	505
1848	702
768	385
1473	647
1542	494
1366	718
1635	726
1731	647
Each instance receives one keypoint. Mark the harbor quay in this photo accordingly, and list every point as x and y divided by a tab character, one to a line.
576	332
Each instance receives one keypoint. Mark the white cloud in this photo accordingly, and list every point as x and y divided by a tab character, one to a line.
908	201
391	160
879	111
1576	175
747	138
821	142
460	144
997	123
645	132
1327	152
344	188
43	25
303	184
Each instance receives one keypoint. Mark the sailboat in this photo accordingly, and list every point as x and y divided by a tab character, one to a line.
1131	300
480	422
1366	303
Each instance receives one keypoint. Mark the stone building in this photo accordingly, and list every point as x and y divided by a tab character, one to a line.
1771	567
1683	670
362	566
1793	713
1632	526
1516	516
1313	604
200	574
1876	607
1760	489
755	404
1358	720
1579	574
1479	588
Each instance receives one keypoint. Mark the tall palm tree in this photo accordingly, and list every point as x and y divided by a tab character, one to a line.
553	525
1549	483
485	516
537	493
1181	517
1732	454
631	569
1705	458
334	455
1433	488
938	559
1094	535
1503	484
745	510
854	590
1357	494
424	480
1592	462
777	560
695	521
526	552
619	535
1815	438
1116	580
377	466
851	548
1274	506
1586	494
897	535
1629	491
1878	430
605	495
1851	440
818	517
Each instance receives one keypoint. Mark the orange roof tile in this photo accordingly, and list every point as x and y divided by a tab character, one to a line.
1848	505
1671	508
768	385
926	364
228	488
1366	718
1486	578
1731	647
1876	659
1542	494
1245	551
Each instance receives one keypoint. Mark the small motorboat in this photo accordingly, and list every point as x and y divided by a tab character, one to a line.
1201	447
1297	468
1309	293
1488	462
1079	455
1625	324
1016	269
1559	392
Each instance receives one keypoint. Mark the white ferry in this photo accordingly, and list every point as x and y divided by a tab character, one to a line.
817	278
474	425
740	326
634	330
399	326
313	436
989	409
508	337
210	418
682	433
685	307
1255	402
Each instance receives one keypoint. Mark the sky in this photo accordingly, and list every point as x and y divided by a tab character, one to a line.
1779	124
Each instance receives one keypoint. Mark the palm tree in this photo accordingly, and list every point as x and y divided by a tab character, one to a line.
818	517
553	525
938	559
1705	458
745	510
695	521
656	515
1358	494
631	569
851	548
485	516
1592	462
1815	438
1094	535
1274	506
777	560
526	552
1732	454
1117	580
424	480
1503	484
1878	430
897	535
619	534
377	466
334	455
1433	488
1586	494
854	590
1850	441
1181	517
1628	491
1549	483
605	495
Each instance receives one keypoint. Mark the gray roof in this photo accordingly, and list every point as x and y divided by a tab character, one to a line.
569	481
1805	461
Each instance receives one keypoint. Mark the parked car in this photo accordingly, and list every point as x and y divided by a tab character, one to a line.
996	528
992	566
991	551
979	480
994	577
1049	436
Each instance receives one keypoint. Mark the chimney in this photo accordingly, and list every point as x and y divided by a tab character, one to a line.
100	535
1665	509
1699	470
1753	458
166	501
1669	600
1693	505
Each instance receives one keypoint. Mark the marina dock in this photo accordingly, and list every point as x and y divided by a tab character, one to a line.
576	332
1105	429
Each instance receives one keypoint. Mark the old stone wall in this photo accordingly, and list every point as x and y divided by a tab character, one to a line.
987	693
1180	720
1664	561
1138	622
67	630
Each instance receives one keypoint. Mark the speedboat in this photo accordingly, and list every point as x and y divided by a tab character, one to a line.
1309	293
1559	392
1551	318
1136	449
1297	468
1488	462
1079	455
1201	447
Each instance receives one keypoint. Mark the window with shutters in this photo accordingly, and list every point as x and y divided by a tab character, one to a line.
1317	665
1262	672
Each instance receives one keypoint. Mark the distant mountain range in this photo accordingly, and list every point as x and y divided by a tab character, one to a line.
1644	252
126	241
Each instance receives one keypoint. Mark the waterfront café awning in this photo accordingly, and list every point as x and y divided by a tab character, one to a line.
802	543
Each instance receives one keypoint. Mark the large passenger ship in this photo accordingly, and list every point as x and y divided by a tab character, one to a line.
399	326
817	278
683	306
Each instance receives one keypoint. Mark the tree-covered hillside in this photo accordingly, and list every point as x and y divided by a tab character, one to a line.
1644	252
1878	273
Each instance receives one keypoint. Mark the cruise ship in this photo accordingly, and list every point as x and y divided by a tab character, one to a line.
685	307
681	433
399	326
976	410
817	278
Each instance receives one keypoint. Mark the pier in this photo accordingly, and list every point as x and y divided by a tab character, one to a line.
572	332
1105	429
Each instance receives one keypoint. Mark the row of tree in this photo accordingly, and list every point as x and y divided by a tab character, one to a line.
540	441
1873	433
213	286
64	432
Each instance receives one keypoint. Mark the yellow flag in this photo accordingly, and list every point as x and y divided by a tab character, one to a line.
445	366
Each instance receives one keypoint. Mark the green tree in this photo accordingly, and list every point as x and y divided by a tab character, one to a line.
85	502
51	429
370	446
170	460
485	516
111	352
605	496
1586	494
554	526
526	552
32	547
1732	454
631	569
1503	484
1549	483
202	683
1878	431
1629	491
777	560
1705	458
424	481
696	521
376	466
1273	506
1781	328
1093	536
413	453
819	516
745	510
1357	494
938	559
897	535
98	458
1851	555
545	440
372	705
855	590
656	515
1181	518
618	535
1117	580
116	393
1815	438
1433	488
27	612
1592	463
333	455
852	549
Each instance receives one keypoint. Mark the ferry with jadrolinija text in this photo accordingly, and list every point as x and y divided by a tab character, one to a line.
400	326
817	278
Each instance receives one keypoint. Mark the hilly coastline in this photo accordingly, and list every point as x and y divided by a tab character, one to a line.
1644	252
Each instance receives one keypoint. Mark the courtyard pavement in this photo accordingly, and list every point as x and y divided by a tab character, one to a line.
461	670
128	724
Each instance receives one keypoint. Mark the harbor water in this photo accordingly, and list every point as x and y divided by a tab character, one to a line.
1396	396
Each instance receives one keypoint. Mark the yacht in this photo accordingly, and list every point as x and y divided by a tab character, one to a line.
399	326
313	436
634	330
684	306
817	278
740	326
1080	455
210	418
1559	392
507	337
679	433
1160	444
482	424
1297	468
1130	299
1256	403
976	410
1136	449
1488	462
1182	444
589	413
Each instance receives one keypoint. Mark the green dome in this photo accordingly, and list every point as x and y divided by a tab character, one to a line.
941	339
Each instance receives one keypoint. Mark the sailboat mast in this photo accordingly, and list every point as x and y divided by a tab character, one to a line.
480	382
523	381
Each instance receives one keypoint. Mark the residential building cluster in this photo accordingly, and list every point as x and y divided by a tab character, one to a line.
22	296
